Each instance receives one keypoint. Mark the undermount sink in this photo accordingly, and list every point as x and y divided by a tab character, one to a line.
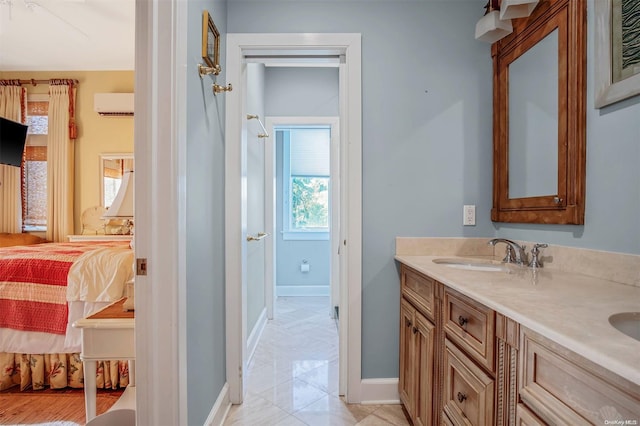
473	264
628	323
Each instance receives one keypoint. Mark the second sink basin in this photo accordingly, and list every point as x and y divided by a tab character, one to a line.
472	264
628	323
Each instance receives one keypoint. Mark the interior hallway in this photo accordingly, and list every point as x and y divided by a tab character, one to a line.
292	378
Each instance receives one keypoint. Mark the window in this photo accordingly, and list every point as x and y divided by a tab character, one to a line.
306	181
34	172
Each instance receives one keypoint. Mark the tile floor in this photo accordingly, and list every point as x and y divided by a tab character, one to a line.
292	379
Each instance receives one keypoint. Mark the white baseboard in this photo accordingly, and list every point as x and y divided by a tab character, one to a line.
254	336
302	290
220	409
379	391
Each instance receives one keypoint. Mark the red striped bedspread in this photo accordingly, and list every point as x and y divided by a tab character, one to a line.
33	282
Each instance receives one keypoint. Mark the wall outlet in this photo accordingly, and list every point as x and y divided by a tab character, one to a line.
469	215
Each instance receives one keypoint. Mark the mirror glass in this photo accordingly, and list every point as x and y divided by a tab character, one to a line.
533	120
112	167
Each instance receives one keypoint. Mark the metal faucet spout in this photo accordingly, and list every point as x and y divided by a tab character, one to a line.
513	250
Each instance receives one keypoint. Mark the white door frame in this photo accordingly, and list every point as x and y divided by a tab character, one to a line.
160	205
351	194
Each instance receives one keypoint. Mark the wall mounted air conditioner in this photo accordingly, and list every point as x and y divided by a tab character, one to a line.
113	104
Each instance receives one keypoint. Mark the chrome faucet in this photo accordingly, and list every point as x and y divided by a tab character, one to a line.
515	253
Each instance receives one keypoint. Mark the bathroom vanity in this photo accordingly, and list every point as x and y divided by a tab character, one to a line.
485	343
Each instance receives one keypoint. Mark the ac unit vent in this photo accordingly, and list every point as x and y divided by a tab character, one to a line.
113	104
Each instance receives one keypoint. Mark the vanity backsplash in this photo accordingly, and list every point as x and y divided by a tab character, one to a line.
618	267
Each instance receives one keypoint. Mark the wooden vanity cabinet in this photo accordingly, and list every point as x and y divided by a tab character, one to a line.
464	364
458	358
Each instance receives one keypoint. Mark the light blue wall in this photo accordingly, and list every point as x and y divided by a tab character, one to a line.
300	92
427	150
427	141
206	372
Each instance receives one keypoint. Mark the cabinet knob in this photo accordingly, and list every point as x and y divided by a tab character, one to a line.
407	323
462	320
461	397
415	330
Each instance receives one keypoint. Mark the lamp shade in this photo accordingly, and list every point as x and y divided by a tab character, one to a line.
491	28
512	9
122	205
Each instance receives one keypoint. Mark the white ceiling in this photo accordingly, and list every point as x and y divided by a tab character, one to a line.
67	35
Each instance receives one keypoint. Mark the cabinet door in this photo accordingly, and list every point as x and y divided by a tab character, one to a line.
468	390
406	382
424	333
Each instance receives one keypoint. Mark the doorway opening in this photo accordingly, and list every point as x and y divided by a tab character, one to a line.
306	203
347	247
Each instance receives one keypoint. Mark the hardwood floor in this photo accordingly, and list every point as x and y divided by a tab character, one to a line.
63	407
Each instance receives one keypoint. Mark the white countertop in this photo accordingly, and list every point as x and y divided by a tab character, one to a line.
568	308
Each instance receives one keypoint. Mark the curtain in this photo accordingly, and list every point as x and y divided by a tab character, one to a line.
12	102
60	163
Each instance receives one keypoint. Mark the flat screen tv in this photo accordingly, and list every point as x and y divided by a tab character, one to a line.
13	136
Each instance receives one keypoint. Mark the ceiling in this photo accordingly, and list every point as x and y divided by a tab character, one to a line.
67	35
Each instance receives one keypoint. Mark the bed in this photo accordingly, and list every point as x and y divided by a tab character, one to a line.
44	288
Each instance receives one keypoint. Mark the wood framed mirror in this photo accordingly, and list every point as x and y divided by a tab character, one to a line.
539	117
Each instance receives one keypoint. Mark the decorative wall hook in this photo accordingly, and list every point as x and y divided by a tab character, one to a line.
203	70
219	89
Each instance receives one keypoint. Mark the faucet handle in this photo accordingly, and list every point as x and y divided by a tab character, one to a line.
535	251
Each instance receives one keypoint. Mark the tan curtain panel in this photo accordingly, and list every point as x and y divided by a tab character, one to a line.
60	166
12	100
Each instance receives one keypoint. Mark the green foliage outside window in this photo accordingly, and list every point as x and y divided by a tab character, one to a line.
309	202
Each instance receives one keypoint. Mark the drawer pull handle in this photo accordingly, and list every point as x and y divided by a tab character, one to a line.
415	330
461	397
462	320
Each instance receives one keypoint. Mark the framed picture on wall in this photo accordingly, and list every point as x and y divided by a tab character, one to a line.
617	50
210	43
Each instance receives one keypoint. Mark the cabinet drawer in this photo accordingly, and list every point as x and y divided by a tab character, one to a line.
420	290
524	417
468	390
561	387
472	326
